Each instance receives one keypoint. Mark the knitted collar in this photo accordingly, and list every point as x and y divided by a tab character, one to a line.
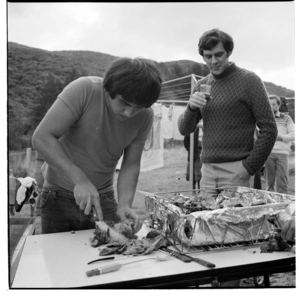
231	68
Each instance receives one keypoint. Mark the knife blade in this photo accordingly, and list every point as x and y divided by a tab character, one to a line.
101	259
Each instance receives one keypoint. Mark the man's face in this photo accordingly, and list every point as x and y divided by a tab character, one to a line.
122	109
274	105
216	59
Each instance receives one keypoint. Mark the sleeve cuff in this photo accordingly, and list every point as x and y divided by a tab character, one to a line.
250	171
191	110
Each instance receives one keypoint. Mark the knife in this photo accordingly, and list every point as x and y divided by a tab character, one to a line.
202	262
187	259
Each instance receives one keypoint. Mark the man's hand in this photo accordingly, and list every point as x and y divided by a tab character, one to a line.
279	138
288	230
197	100
128	213
87	196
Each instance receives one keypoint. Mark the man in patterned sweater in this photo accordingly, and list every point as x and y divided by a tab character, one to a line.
238	102
277	165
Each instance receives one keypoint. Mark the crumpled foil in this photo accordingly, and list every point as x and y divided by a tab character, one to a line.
228	224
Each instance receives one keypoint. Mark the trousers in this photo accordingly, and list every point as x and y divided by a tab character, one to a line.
277	170
219	176
60	213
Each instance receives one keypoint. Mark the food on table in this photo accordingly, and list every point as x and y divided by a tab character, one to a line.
119	238
142	246
108	231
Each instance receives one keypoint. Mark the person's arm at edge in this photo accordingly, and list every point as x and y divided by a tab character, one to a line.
187	122
127	182
290	136
266	123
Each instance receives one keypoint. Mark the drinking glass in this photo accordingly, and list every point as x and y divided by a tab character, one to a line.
207	90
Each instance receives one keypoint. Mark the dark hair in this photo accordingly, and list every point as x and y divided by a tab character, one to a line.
211	38
273	96
137	80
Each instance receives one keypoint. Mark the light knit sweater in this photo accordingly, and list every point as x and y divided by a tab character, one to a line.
239	103
286	129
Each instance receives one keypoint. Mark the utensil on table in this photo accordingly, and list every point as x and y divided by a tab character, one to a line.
101	259
202	262
185	258
177	255
117	266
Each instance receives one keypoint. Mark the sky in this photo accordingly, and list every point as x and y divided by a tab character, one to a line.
263	32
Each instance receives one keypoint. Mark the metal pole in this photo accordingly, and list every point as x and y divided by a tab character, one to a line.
192	143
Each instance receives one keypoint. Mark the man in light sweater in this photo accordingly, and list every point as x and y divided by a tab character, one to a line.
238	103
277	165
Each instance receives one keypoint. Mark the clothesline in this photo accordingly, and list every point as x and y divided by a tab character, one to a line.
177	91
176	85
176	95
171	101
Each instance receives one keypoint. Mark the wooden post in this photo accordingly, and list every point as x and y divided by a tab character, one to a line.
28	158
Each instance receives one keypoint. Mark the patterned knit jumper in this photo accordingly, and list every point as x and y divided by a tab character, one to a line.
239	103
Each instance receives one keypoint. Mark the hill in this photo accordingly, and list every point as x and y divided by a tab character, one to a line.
36	76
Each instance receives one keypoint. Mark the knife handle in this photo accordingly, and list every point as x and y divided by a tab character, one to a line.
204	263
182	257
104	269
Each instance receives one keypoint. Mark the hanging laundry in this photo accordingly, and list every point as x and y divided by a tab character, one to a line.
167	122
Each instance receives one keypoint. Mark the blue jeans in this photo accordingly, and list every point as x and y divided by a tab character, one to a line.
60	213
277	170
219	176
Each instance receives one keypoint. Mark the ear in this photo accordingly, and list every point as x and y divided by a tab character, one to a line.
229	54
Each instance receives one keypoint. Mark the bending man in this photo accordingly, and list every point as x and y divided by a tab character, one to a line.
91	124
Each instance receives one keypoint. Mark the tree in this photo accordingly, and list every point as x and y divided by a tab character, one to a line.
74	74
49	92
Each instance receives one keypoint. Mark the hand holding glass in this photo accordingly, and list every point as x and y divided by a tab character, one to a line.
206	89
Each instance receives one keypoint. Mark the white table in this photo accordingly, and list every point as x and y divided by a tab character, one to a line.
60	261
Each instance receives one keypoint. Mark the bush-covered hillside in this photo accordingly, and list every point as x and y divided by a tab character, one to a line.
36	77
